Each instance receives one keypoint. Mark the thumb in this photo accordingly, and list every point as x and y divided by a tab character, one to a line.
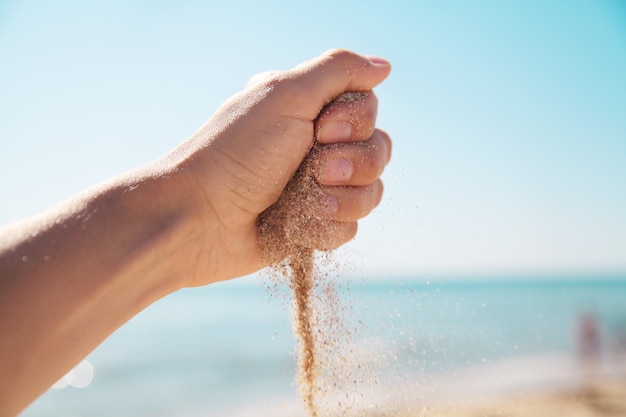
315	83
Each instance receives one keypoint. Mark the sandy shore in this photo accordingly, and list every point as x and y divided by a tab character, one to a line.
602	398
605	398
544	386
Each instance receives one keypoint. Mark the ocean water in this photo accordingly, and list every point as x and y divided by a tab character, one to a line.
228	349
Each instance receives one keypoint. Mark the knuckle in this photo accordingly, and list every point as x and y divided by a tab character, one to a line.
339	53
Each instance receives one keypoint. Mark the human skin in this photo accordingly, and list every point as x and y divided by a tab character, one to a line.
72	275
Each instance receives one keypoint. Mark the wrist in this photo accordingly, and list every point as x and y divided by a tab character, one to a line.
160	230
148	233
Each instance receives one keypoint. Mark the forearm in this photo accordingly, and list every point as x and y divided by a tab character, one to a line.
75	274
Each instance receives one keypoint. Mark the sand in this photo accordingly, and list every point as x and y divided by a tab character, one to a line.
288	231
601	398
281	235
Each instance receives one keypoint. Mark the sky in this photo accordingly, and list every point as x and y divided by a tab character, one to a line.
508	118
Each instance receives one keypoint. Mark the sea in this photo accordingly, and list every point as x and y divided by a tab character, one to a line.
228	349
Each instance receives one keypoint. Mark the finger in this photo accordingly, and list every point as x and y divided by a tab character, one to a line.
315	83
350	117
354	164
354	203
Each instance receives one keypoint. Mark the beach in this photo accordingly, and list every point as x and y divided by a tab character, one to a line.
562	385
547	386
600	398
559	385
552	385
510	348
603	398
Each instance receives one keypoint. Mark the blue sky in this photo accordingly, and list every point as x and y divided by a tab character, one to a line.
508	118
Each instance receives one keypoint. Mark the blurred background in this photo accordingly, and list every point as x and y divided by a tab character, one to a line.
502	232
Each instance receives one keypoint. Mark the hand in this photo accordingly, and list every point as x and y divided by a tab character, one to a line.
240	161
188	219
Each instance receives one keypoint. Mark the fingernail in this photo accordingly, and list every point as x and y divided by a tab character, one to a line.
337	171
378	60
334	132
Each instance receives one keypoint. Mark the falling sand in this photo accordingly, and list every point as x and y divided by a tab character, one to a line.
287	232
